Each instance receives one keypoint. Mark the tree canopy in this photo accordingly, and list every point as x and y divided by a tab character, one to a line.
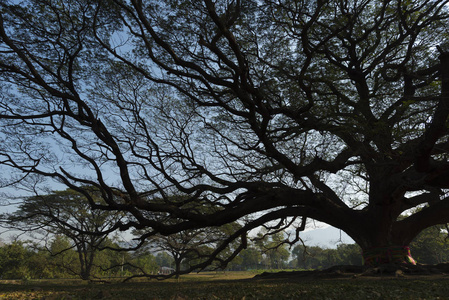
261	112
65	217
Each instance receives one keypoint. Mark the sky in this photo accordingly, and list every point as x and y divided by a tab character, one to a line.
326	237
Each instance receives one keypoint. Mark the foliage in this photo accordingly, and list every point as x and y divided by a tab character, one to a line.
146	263
431	246
318	258
274	254
266	113
79	231
265	253
14	259
21	260
65	259
39	264
249	259
164	259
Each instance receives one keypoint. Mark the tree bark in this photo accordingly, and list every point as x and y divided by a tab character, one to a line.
177	267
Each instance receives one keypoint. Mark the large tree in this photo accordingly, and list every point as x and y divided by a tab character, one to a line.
259	111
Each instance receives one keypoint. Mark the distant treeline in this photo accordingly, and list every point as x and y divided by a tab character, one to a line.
430	247
22	260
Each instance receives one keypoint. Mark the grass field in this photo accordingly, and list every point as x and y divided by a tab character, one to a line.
233	285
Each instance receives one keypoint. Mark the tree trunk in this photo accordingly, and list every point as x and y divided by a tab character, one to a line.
379	231
382	241
387	255
177	267
388	250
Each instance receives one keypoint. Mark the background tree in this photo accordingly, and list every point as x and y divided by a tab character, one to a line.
26	260
181	245
256	111
275	253
163	259
349	254
67	217
308	258
40	263
143	262
431	246
251	258
315	257
65	261
190	247
13	261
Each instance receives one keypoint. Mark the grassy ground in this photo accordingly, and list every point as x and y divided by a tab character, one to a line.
234	285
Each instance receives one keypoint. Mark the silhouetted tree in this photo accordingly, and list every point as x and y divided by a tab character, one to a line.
256	111
69	220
